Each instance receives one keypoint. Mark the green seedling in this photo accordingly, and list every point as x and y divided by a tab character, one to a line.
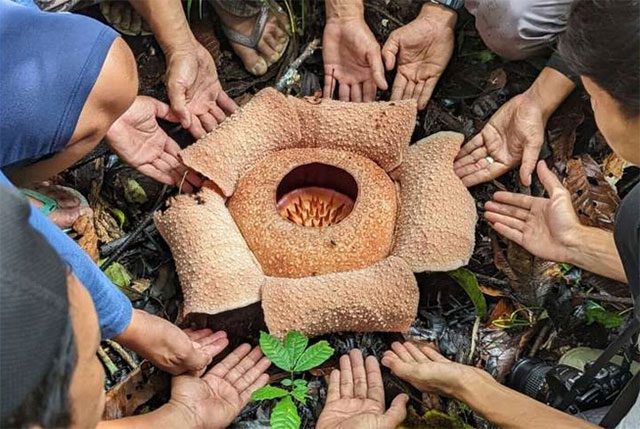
291	355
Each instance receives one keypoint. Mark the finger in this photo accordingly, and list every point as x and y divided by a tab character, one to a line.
530	155
514	199
359	374
244	365
333	390
177	95
429	87
217	112
491	171
415	352
215	347
195	335
398	87
329	82
408	90
389	52
346	377
210	339
398	366
156	174
344	92
470	146
163	111
549	180
468	161
402	352
226	103
193	178
196	129
252	374
375	389
368	90
418	90
246	394
509	221
208	121
225	365
397	412
423	98
508	233
356	93
433	354
375	61
507	210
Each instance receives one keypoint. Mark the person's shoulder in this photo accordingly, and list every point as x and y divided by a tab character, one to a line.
629	211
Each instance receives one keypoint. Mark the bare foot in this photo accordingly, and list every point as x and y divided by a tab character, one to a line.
124	18
271	45
69	209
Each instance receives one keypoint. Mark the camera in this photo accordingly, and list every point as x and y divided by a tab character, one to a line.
551	383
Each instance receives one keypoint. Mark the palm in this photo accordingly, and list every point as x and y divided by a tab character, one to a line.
351	413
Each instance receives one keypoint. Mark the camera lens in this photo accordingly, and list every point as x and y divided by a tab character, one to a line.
528	377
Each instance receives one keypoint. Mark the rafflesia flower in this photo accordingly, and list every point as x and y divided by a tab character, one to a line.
322	210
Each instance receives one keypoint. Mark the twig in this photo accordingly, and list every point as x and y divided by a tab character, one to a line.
474	335
492	281
104	357
289	76
542	335
604	298
123	354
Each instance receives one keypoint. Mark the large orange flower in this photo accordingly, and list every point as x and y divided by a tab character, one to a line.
323	211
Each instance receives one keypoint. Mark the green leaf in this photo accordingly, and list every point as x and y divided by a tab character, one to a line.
596	313
295	343
286	382
134	193
285	415
300	393
269	392
469	283
313	356
118	275
275	351
300	382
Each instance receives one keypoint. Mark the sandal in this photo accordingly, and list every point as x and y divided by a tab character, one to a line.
50	205
124	18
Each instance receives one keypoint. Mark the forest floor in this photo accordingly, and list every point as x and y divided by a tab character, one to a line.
534	307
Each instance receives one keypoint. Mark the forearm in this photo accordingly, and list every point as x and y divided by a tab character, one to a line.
439	12
594	249
509	409
344	9
167	416
550	89
169	23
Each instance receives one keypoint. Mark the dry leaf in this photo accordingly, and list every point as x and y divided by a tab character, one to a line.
561	130
613	168
86	236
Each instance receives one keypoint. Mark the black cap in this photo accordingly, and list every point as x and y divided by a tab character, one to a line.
34	306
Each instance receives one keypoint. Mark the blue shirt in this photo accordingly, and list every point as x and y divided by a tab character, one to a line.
49	63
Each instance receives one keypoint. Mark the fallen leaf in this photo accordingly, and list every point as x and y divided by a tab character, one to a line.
497	80
138	388
593	198
86	236
561	130
612	168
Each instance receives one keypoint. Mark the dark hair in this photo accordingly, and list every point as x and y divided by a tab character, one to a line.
602	42
48	405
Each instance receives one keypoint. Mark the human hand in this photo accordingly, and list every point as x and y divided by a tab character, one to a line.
422	49
546	227
170	348
139	141
355	397
426	369
196	96
214	400
352	59
514	133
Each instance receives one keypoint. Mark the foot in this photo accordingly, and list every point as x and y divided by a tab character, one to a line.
271	45
69	209
124	18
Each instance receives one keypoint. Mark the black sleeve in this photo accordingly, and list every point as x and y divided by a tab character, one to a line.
556	62
627	236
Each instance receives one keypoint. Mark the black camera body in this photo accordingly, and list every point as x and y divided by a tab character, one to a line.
550	384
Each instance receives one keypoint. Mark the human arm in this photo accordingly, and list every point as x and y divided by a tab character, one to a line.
192	82
429	371
355	397
515	133
212	401
421	50
350	52
549	228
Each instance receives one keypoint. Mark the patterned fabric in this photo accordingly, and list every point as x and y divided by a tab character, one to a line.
238	7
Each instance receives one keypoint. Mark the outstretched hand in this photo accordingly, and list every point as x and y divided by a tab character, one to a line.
352	60
426	369
355	397
196	96
543	226
421	49
216	399
137	138
514	134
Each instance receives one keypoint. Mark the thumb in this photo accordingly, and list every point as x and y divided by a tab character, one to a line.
177	96
197	359
375	61
549	180
389	52
163	111
397	412
529	159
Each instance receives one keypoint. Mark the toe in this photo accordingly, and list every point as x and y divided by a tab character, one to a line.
253	62
267	52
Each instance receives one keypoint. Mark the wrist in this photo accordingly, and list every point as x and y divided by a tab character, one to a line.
549	90
438	13
472	379
344	10
574	242
178	415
